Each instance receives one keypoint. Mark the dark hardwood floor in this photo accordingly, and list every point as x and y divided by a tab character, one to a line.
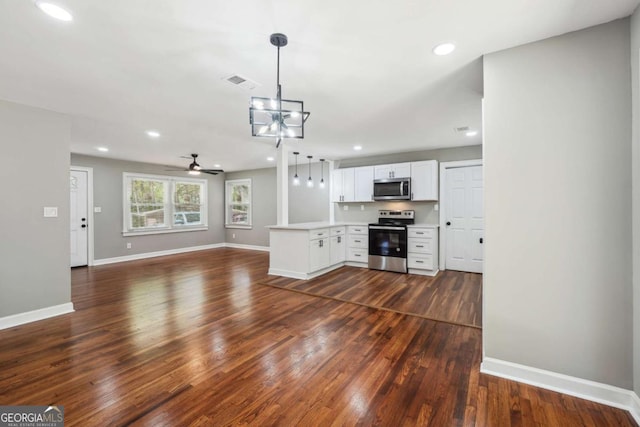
193	339
451	296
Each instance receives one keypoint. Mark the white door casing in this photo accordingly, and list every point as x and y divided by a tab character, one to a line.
462	218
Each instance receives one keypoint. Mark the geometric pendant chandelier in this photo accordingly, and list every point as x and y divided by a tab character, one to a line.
276	117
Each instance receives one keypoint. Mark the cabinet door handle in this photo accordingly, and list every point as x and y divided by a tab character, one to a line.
448	222
481	240
339	239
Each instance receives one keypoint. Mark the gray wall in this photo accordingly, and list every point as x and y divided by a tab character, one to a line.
263	203
635	83
309	204
107	183
34	251
305	204
425	211
557	285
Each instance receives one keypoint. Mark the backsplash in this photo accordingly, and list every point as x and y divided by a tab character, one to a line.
425	212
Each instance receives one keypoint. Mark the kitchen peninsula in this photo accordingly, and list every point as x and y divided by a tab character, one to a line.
308	250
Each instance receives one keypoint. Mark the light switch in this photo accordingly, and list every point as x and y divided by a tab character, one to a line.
345	207
436	207
50	212
97	209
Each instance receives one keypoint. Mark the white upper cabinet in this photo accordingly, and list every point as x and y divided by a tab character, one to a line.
343	185
352	184
424	180
396	170
363	178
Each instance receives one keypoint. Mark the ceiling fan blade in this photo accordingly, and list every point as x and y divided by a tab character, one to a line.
211	170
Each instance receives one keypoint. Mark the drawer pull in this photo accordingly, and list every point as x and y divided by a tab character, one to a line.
419	246
356	255
419	232
419	261
358	241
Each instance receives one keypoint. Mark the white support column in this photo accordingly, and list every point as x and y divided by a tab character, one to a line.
332	206
282	172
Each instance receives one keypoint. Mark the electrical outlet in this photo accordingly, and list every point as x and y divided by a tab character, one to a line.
50	212
128	245
361	207
233	235
346	207
436	207
97	209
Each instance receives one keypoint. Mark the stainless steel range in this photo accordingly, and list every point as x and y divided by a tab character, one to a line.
388	240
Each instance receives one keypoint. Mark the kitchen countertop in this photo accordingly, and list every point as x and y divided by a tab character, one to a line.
314	225
325	224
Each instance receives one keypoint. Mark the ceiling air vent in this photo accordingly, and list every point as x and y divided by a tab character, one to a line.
462	129
241	82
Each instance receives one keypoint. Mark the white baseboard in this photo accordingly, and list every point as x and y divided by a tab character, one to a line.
35	315
156	254
578	387
303	276
635	407
287	273
250	247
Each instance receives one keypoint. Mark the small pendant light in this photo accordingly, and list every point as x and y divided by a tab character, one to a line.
310	181
321	173
296	180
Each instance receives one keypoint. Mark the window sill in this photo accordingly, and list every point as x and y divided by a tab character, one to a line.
164	231
246	227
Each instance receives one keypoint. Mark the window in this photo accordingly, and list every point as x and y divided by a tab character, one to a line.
162	204
238	203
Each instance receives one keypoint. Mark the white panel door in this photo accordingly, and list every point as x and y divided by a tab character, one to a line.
464	219
79	219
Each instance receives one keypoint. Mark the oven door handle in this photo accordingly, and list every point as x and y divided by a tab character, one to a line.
386	227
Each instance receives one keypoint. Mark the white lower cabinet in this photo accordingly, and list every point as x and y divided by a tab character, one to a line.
422	250
358	244
319	254
338	245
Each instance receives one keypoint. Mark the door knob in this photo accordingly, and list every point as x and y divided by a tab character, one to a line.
84	219
448	222
481	240
84	225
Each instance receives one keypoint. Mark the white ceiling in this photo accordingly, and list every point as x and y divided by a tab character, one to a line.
364	69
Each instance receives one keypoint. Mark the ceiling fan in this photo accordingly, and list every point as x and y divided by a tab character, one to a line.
195	169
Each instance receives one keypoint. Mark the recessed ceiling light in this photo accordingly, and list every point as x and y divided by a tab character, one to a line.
270	159
153	134
444	49
103	149
472	133
357	147
54	11
216	165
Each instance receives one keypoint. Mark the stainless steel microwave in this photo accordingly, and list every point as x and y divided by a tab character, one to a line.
392	189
